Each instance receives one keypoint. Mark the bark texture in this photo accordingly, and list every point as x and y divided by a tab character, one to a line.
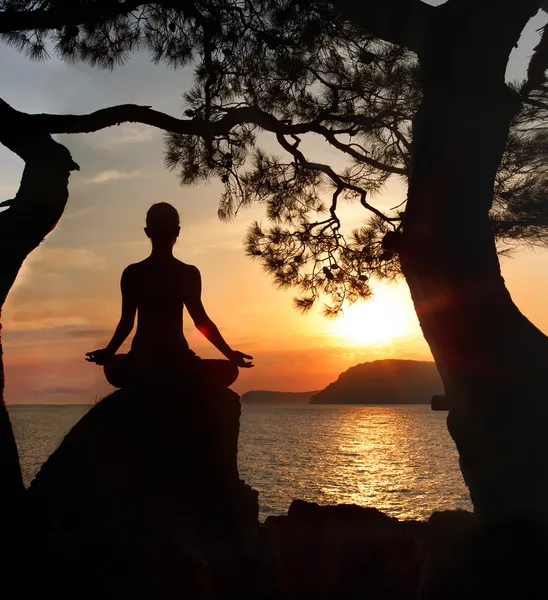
492	360
10	470
30	216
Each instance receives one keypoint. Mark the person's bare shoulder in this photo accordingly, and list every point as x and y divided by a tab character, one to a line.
132	271
188	270
190	275
130	279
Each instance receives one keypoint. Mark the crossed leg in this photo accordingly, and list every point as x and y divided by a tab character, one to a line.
120	370
223	372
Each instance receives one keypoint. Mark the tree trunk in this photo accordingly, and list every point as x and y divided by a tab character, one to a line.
32	214
10	471
492	360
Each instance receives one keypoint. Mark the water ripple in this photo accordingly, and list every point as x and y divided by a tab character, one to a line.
399	459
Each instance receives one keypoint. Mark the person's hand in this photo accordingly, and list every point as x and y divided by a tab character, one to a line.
239	359
99	357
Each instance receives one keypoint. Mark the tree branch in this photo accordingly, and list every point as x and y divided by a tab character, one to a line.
327	170
42	195
359	156
132	113
401	22
57	18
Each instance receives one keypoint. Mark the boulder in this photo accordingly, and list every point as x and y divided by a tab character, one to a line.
475	560
143	499
346	551
439	402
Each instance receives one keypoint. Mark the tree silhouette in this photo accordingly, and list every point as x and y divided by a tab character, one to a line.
399	89
319	77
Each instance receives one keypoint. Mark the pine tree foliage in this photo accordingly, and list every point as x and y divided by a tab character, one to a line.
295	69
520	203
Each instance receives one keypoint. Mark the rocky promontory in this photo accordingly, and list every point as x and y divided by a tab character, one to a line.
143	497
388	381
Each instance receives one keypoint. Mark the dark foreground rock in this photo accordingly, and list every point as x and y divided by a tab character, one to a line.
346	551
470	560
143	500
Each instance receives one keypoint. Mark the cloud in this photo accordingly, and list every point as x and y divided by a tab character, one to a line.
58	391
55	334
112	175
130	135
87	332
209	235
78	213
64	259
48	267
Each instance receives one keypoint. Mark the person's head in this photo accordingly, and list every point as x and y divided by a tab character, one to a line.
162	223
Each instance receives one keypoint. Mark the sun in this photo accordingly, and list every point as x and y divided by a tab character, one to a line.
375	322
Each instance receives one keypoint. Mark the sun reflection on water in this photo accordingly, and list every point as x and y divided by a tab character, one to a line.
399	459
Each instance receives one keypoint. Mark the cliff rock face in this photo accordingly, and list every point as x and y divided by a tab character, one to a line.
143	499
384	382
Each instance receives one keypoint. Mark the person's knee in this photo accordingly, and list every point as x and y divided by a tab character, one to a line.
234	369
117	370
232	372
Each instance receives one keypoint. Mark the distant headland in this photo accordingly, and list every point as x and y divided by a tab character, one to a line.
389	381
266	397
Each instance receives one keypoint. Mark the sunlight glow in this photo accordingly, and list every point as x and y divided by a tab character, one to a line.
377	321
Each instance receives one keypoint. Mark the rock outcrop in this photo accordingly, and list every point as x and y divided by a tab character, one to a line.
143	499
346	551
439	402
384	382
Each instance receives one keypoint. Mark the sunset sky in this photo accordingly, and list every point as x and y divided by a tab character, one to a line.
67	300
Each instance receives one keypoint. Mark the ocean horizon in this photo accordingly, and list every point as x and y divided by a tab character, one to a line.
399	459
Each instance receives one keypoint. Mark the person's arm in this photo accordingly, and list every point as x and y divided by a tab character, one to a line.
125	325
205	325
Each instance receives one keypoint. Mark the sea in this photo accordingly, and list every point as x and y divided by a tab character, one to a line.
399	459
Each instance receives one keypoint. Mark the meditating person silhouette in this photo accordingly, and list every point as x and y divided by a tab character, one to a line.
157	289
